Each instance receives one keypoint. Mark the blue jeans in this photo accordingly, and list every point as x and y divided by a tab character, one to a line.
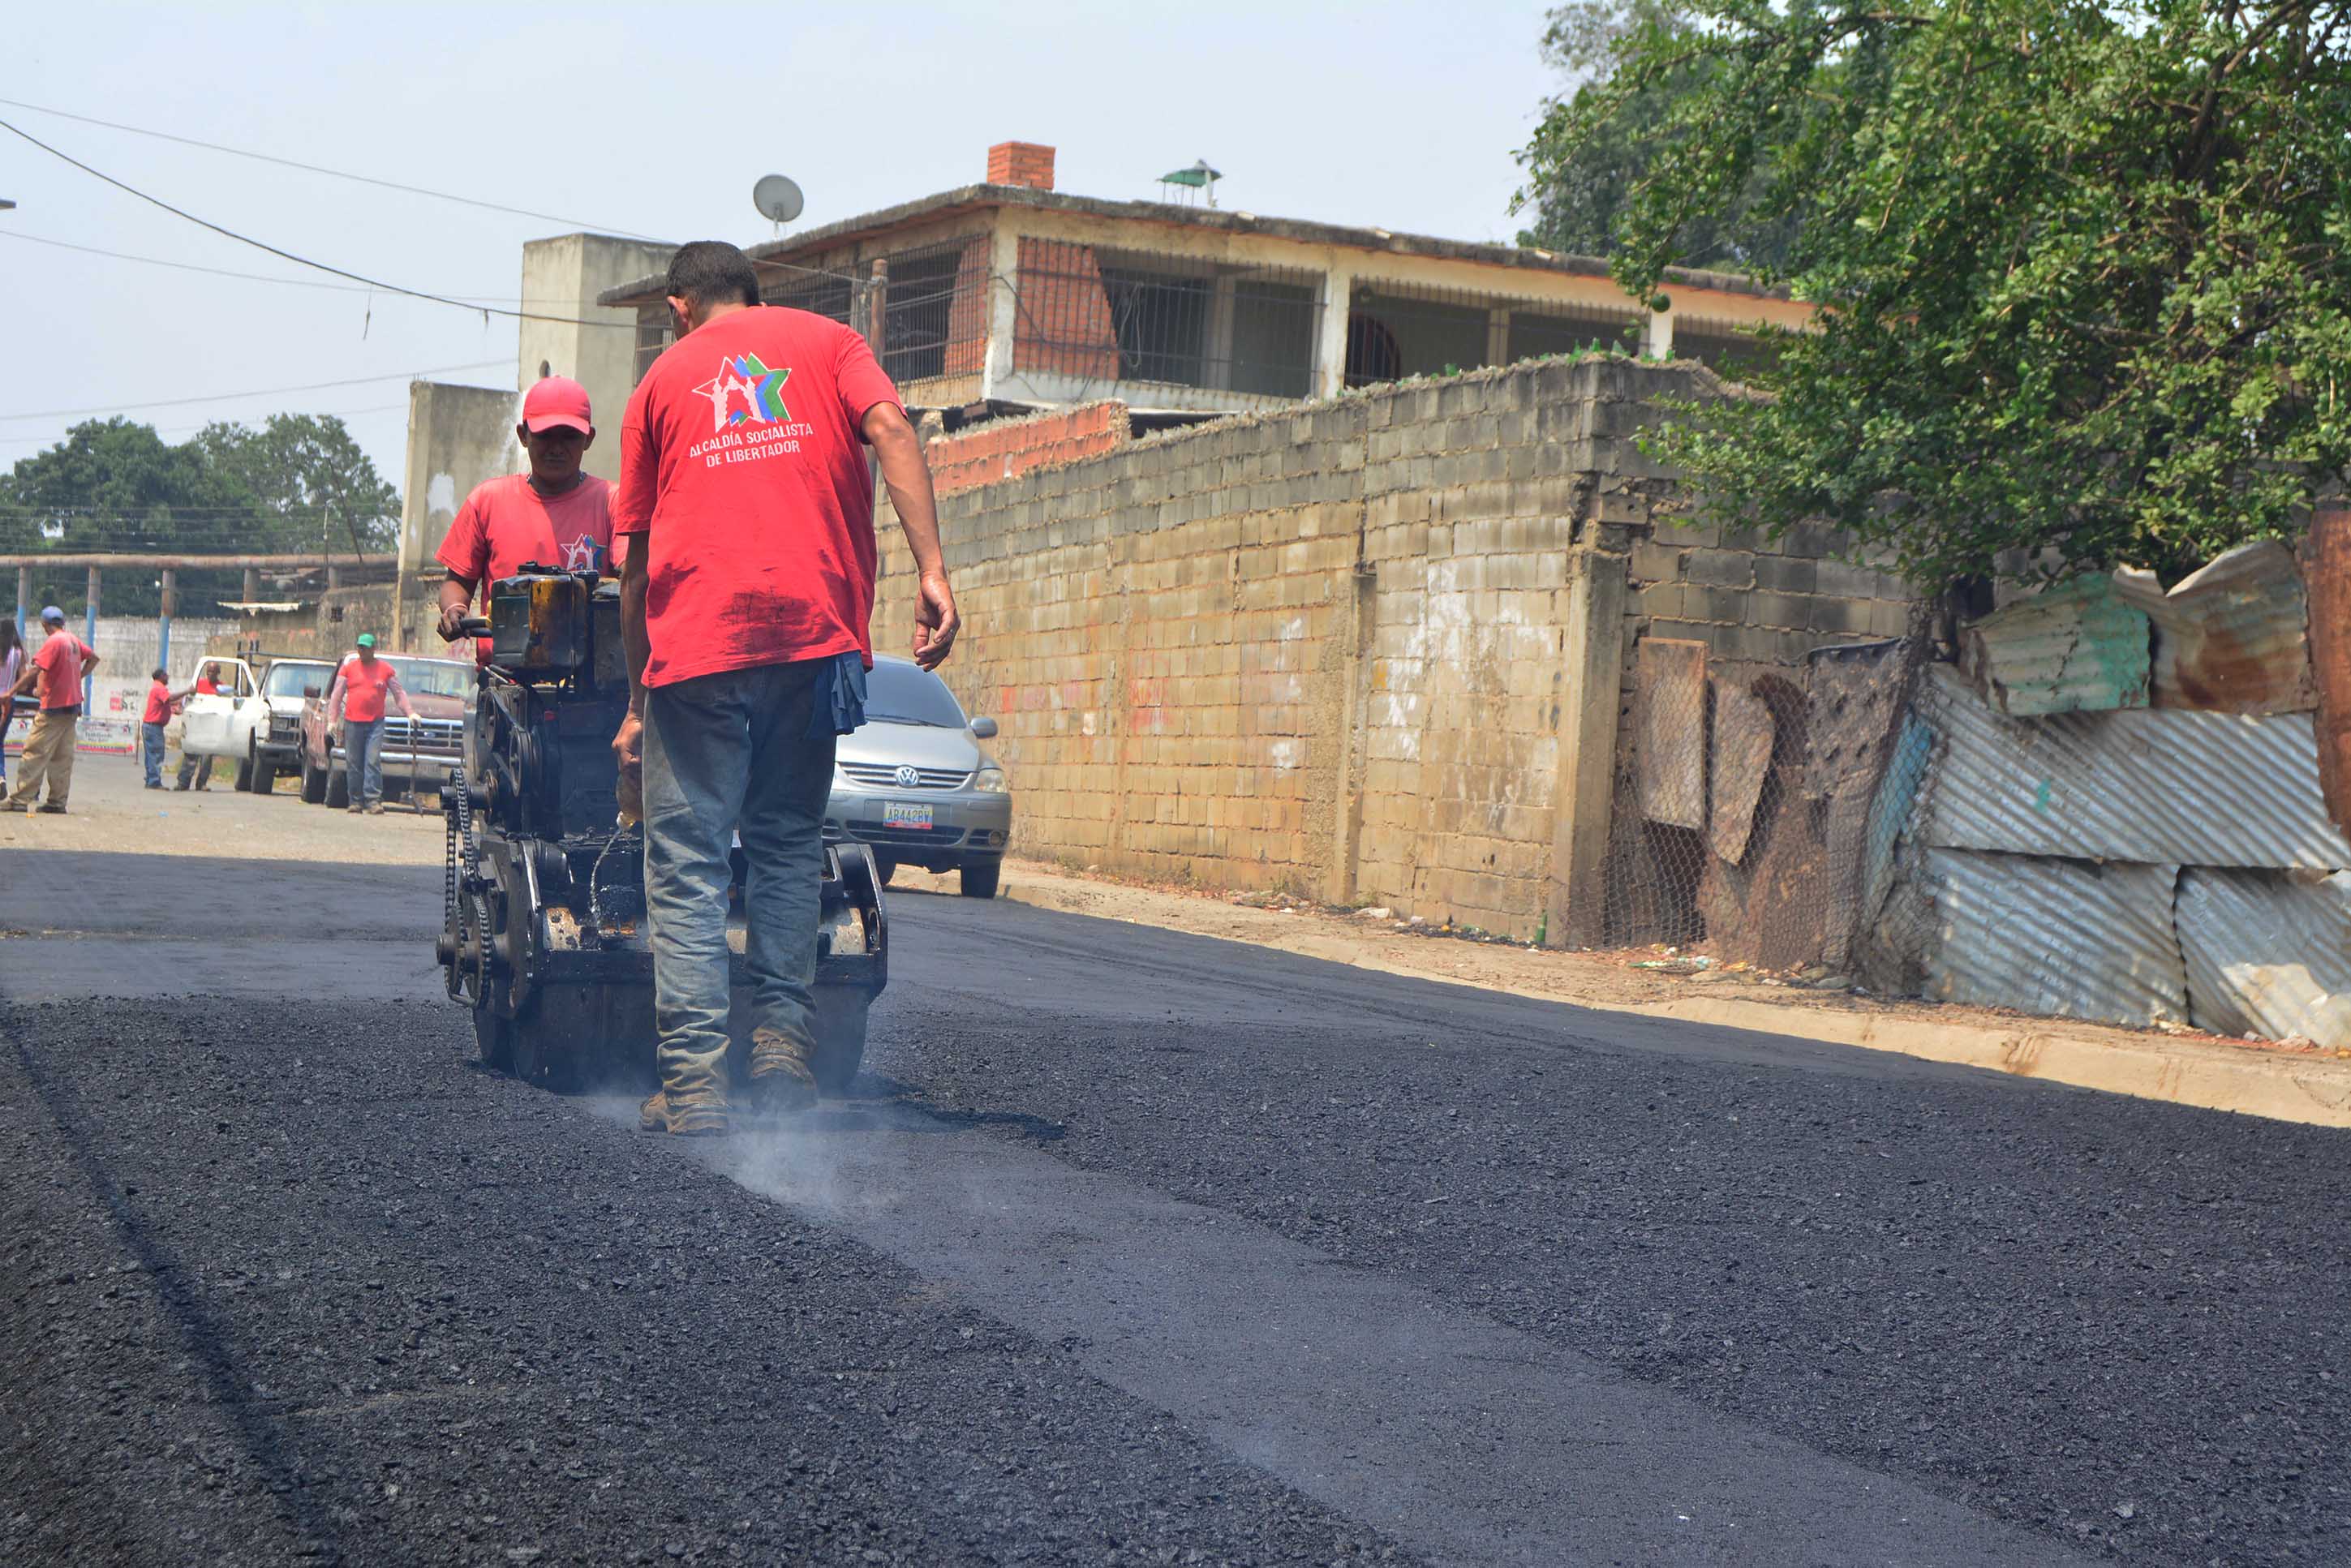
727	753
151	737
364	759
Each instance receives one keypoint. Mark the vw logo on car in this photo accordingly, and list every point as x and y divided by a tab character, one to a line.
914	786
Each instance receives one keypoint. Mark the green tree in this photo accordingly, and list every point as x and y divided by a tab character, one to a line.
1580	186
297	485
112	486
2086	268
316	488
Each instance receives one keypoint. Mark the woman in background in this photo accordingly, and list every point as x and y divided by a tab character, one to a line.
12	665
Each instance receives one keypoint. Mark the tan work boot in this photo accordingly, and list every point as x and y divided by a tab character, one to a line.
781	1079
688	1117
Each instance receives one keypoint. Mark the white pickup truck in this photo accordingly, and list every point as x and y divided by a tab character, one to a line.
255	724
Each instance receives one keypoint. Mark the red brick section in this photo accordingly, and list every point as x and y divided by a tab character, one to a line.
1020	164
1005	447
1064	322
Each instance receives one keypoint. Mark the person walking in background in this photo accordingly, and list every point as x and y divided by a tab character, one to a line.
199	768
360	687
12	665
58	668
150	726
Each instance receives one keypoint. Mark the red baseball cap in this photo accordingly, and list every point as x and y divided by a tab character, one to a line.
555	400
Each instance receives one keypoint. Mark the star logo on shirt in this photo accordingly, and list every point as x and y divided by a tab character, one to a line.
742	378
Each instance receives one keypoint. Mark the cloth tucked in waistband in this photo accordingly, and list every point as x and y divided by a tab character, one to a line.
839	706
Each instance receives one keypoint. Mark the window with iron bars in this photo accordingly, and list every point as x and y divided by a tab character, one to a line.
1724	346
934	310
1119	316
1394	331
655	331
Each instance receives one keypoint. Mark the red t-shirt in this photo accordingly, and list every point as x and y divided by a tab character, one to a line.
158	704
363	688
60	661
206	687
742	463
505	526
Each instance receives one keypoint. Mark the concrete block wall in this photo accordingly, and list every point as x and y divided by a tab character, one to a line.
1328	649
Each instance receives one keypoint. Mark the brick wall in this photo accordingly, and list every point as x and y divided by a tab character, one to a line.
1005	447
1020	164
1328	649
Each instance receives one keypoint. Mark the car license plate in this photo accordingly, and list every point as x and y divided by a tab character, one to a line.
898	814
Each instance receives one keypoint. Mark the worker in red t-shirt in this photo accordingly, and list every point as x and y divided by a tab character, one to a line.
356	701
160	705
196	772
553	516
746	596
57	667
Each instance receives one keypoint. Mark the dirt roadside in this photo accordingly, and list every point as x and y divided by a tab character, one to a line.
2259	1079
108	808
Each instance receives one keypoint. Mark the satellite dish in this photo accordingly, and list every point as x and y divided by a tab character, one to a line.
777	198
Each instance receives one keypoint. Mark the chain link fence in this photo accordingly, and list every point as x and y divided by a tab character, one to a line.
1759	809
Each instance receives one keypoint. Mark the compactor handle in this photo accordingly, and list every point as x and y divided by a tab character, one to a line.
474	626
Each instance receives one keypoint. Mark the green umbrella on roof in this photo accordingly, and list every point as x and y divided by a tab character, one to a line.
1198	176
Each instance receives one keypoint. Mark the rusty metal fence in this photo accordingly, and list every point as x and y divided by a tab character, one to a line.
1759	808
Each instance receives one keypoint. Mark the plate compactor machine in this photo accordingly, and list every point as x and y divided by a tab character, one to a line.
544	934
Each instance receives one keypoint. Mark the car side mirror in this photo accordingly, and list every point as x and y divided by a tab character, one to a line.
985	728
312	692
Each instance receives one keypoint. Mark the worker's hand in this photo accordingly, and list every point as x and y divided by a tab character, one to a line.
936	621
452	616
629	749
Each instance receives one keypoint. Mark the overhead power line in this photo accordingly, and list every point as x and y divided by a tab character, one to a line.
226	272
332	173
262	392
285	255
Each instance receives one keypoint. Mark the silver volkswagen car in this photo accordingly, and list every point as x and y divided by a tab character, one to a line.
913	784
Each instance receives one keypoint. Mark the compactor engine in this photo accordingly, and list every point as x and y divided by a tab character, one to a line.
544	934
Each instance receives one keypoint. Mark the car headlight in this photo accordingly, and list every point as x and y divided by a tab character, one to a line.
990	780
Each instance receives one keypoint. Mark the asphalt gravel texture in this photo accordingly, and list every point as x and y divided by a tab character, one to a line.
291	1278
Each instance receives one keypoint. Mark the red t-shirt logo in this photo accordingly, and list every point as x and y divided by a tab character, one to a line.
761	391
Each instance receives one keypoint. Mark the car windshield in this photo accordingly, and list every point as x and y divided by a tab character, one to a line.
904	694
291	680
435	678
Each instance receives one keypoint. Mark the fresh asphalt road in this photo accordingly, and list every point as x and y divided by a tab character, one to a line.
1132	1247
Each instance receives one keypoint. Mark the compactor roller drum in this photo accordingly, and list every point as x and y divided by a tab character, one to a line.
544	934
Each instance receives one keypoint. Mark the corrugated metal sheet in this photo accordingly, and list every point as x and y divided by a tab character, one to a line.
1670	729
2055	936
2329	585
2208	789
2231	636
2079	647
2268	954
1744	732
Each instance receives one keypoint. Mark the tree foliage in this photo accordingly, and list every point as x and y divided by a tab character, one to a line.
298	484
2085	268
1580	187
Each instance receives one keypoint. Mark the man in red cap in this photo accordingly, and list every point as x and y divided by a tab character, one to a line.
553	516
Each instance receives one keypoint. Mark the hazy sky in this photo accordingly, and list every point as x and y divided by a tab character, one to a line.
654	120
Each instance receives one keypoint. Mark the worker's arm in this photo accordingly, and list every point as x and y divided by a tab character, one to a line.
89	658
627	745
335	700
392	684
907	472
456	596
